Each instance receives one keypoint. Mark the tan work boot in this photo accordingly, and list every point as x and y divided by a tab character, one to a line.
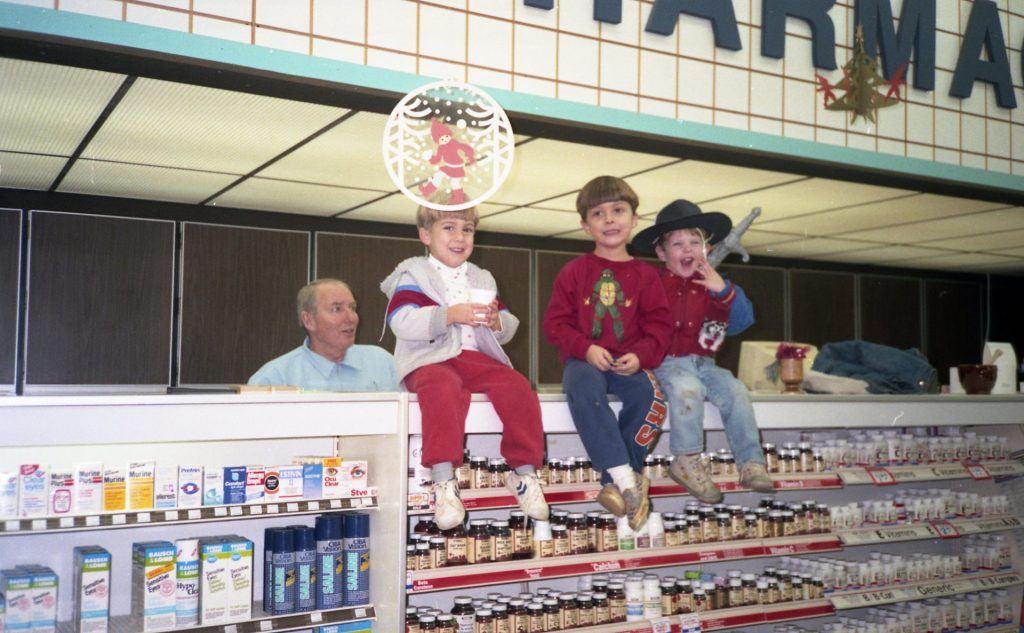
637	504
612	500
754	476
691	472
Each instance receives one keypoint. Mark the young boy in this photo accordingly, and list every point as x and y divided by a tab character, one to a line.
703	306
449	347
609	319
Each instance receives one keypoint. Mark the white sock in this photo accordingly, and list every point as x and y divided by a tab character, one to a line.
623	476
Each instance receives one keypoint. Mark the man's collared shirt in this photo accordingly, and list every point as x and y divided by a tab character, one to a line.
364	368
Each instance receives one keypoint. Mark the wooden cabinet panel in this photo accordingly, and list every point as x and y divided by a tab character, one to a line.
549	367
821	307
954	328
890	311
238	300
99	300
765	287
511	270
10	270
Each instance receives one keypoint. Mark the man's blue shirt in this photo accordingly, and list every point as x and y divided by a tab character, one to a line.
364	368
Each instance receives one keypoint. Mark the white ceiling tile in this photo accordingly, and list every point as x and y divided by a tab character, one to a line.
755	238
333	158
960	226
293	197
29	171
887	254
143	181
906	207
699	182
395	208
1015	252
988	242
527	221
533	177
957	261
803	196
812	247
48	109
194	127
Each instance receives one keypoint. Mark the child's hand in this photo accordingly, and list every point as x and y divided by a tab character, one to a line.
626	365
711	279
472	314
599	357
493	318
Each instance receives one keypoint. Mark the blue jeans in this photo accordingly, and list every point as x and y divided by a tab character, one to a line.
687	381
610	441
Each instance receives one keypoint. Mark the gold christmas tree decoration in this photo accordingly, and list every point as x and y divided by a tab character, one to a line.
860	88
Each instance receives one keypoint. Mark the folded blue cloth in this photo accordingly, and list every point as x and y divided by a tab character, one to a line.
885	369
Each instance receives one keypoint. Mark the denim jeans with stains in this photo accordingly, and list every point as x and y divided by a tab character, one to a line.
687	381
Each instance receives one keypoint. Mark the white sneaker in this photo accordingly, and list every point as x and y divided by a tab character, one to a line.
448	508
526	489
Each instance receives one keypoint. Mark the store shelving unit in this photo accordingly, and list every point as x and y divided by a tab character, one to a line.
257	428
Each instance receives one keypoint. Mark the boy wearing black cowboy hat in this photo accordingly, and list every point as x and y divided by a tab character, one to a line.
703	307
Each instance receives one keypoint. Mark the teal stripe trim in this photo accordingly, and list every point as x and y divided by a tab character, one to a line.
114	32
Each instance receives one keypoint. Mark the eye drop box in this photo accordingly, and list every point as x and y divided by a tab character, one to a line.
33	490
165	487
16	586
8	495
141	476
419	476
91	596
62	486
234	484
114	487
283	483
332	478
154	585
44	598
190	486
352	476
254	482
213	486
187	576
88	493
225	587
313	481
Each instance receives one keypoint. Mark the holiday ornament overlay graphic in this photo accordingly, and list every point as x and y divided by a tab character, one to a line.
448	146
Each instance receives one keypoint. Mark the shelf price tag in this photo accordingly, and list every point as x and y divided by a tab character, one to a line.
273	509
977	472
38	524
661	625
945	529
66	522
12	526
254	510
195	514
230	628
220	511
292	507
266	625
313	505
171	515
689	622
92	520
118	519
335	504
235	511
360	612
143	517
880	476
316	616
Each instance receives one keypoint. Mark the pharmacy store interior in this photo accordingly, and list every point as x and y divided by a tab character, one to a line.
172	173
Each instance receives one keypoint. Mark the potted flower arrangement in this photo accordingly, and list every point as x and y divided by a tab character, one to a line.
789	359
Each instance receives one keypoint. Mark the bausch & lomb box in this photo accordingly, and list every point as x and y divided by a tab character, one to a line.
44	598
154	585
16	586
91	597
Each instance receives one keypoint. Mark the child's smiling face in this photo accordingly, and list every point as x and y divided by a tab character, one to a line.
450	240
683	251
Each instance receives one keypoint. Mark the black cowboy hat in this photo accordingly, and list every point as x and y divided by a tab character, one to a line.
682	214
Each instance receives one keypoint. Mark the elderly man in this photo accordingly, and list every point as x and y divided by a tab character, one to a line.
329	359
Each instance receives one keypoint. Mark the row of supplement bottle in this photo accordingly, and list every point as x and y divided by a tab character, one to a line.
961	614
892	448
912	506
572	533
615	598
879	570
480	472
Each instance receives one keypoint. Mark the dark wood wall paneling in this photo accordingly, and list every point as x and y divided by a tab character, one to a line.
363	262
238	300
821	307
99	300
511	270
954	329
549	367
10	259
890	311
766	289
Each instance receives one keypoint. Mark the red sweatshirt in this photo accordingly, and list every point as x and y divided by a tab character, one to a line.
699	318
633	317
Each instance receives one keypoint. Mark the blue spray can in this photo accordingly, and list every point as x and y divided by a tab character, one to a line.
357	559
268	567
284	572
329	561
305	568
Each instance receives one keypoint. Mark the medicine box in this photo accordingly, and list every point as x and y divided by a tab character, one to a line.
153	585
44	598
91	595
16	587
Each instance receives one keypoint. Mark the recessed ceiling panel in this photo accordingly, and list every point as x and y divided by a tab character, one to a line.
900	210
48	109
803	196
948	228
957	261
526	221
545	169
754	238
348	155
141	181
29	171
293	197
812	247
395	208
986	243
580	234
194	127
888	254
702	183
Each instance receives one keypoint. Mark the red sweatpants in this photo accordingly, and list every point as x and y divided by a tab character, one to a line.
444	391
